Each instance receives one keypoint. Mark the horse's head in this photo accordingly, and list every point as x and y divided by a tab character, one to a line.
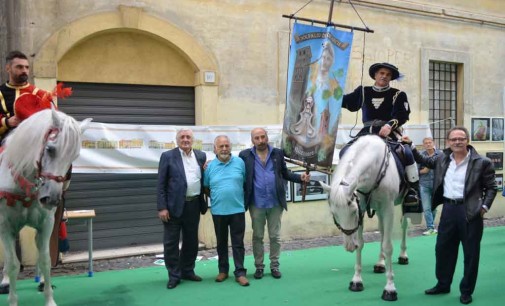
42	148
347	215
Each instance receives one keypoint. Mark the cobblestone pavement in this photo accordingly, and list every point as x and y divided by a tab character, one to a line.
147	260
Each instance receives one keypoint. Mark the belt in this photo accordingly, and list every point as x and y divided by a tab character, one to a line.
192	198
375	123
453	201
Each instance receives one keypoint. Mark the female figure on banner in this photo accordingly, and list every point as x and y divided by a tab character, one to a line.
326	90
304	130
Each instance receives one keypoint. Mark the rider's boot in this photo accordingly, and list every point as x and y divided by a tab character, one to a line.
413	195
412	198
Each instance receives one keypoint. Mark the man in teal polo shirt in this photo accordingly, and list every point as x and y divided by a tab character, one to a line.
224	178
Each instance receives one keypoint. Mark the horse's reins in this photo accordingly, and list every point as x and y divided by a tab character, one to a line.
31	188
378	180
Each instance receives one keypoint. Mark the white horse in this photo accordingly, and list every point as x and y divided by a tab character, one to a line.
33	164
367	174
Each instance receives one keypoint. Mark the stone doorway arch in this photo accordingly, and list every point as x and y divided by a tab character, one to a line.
45	65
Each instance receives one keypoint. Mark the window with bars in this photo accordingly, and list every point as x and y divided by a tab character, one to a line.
443	99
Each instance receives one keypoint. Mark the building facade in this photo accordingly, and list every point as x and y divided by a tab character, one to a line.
224	62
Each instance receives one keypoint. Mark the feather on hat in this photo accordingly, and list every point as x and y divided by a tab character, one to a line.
28	104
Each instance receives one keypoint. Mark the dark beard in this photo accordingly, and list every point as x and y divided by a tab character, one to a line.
21	79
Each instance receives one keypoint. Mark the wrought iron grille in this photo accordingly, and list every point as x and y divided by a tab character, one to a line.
443	100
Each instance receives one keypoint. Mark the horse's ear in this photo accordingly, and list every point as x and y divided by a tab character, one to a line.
56	118
326	187
84	124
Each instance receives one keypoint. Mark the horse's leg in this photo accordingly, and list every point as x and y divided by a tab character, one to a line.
11	265
4	285
380	266
44	260
357	282
404	258
389	293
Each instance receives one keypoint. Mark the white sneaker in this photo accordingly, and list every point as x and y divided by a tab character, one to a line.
430	232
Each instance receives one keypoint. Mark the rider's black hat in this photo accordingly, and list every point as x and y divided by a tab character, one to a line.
394	70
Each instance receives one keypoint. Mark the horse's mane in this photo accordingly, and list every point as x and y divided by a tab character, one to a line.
23	146
356	164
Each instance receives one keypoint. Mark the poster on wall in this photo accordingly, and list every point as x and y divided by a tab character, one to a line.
497	129
499	181
289	187
481	129
314	190
496	158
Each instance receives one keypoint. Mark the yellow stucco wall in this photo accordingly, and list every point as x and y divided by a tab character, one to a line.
245	43
127	58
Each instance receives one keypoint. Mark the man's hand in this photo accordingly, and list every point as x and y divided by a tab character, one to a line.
424	170
482	212
164	215
385	130
13	121
305	177
206	164
406	139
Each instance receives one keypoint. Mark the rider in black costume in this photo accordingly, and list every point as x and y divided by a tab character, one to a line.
384	111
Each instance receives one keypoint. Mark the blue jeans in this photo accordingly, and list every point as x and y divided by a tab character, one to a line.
429	215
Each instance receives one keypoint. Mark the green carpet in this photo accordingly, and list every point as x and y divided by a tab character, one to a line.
312	277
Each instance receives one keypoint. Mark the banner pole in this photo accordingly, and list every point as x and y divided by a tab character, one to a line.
304	189
331	24
331	12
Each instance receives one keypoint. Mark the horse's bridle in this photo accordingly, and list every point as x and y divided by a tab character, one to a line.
51	135
29	188
361	214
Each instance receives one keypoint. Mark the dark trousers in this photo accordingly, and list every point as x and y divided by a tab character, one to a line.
182	262
452	230
236	224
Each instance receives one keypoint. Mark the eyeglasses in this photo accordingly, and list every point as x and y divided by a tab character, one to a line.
459	139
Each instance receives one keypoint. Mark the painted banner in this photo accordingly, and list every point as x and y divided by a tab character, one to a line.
125	148
317	71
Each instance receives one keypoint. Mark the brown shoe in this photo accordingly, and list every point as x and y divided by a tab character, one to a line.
221	277
242	280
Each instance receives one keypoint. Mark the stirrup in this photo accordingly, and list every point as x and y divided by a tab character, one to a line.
411	199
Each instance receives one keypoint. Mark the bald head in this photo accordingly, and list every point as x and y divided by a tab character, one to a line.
259	138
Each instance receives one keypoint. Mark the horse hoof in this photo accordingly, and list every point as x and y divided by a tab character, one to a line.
4	289
379	269
389	296
356	287
403	260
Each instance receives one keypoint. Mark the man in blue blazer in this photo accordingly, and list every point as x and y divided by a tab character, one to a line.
265	196
180	202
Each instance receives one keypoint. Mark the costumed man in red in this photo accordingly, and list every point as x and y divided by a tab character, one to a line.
18	100
18	69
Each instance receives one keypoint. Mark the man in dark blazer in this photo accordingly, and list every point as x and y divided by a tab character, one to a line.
180	202
265	196
465	183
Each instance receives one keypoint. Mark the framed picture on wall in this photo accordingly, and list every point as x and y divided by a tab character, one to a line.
496	158
497	129
481	129
289	188
499	181
314	190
